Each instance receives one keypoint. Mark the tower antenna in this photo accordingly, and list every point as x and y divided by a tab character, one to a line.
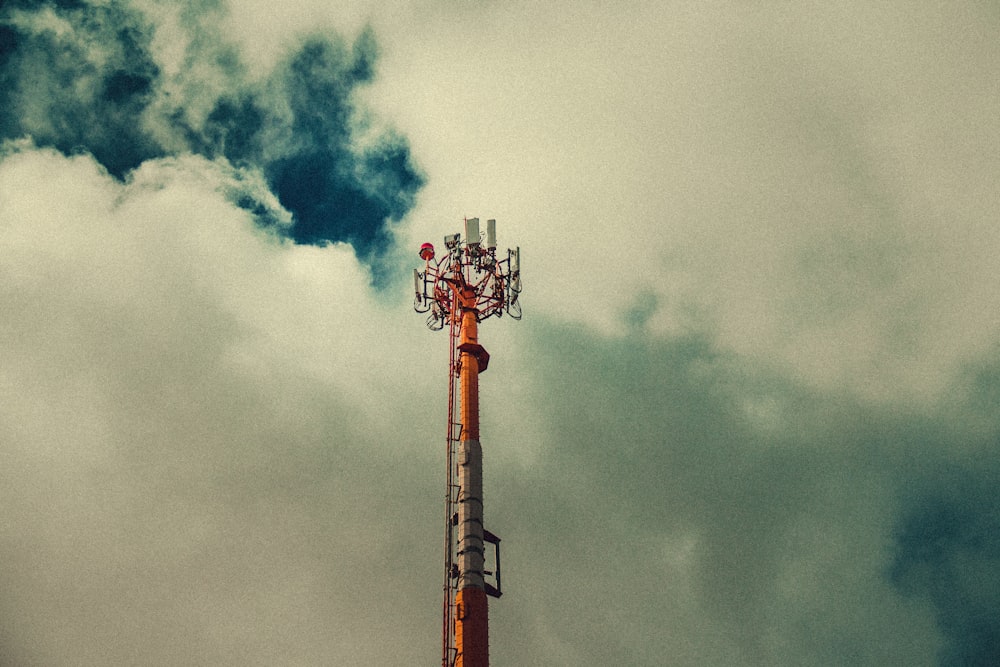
467	285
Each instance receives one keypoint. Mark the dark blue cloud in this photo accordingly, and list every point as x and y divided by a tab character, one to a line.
947	549
337	189
947	538
80	92
97	88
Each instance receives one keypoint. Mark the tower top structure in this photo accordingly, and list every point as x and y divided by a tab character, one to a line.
468	284
468	275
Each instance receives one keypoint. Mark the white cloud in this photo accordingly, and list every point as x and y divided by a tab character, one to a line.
197	416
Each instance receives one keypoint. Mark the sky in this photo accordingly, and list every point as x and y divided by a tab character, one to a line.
749	416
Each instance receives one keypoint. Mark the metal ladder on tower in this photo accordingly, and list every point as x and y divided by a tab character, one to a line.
449	649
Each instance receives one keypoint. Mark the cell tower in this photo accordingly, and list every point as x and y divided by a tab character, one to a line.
467	285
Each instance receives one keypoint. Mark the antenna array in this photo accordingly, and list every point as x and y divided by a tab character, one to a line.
468	265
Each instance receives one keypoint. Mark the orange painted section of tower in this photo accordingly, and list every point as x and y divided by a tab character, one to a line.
471	352
472	628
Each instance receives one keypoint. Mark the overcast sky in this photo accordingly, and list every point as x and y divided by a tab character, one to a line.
749	417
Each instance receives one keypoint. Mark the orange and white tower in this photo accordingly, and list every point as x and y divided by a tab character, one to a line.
467	285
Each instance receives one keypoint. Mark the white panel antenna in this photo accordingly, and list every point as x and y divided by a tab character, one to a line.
491	234
472	231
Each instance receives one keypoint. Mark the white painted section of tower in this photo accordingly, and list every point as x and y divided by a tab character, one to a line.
470	515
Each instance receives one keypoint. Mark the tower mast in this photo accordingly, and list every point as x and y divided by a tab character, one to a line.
467	285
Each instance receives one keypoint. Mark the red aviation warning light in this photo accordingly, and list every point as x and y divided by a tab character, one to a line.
467	285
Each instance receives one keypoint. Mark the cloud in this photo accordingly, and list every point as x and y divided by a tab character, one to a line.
187	416
78	78
810	182
946	552
681	490
105	79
